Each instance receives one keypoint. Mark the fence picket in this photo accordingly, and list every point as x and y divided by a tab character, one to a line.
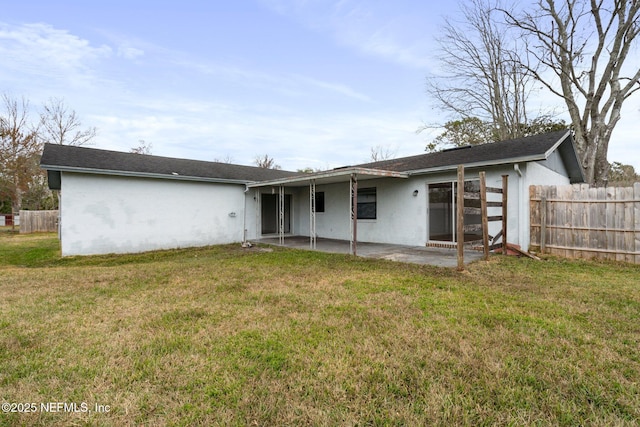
584	222
38	221
636	220
628	224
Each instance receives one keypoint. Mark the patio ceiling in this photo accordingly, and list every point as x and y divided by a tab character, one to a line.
329	177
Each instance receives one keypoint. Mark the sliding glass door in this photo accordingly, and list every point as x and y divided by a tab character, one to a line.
442	211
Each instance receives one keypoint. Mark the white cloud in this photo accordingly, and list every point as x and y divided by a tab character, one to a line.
294	85
208	130
128	52
366	27
128	47
217	125
338	88
44	50
384	44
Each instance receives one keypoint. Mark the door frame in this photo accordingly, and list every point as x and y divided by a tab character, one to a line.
288	214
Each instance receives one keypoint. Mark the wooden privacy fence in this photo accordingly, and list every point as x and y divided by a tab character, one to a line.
577	221
38	221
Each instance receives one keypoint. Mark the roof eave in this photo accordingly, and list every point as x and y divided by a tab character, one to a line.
143	174
446	168
300	179
575	170
555	146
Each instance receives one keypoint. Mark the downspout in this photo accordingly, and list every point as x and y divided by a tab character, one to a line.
60	215
59	194
522	223
516	167
244	215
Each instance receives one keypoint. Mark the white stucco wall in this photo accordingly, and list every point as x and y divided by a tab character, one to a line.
334	222
109	214
539	175
403	218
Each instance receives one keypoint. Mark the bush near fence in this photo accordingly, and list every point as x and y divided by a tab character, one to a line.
38	221
578	221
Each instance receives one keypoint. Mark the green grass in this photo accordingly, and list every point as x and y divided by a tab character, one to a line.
17	250
227	336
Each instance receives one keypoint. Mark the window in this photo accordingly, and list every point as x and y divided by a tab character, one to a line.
367	203
320	201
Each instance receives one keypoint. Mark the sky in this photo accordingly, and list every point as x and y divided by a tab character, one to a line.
311	83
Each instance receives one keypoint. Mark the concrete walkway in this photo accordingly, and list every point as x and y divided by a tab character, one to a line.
411	254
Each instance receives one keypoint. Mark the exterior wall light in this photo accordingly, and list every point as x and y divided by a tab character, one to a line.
415	193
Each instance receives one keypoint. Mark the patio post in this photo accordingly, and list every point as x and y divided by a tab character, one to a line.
353	243
312	214
485	219
281	216
505	191
460	218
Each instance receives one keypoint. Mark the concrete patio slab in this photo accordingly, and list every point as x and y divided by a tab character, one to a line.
440	257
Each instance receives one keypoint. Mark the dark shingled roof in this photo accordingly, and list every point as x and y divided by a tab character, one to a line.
81	159
90	160
530	148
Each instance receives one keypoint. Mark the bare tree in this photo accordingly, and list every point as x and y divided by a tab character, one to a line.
379	153
226	159
583	47
142	148
482	73
266	162
58	125
19	150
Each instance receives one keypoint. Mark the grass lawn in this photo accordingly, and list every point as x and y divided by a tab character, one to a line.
228	336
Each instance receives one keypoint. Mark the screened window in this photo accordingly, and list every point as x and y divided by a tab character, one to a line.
320	201
367	203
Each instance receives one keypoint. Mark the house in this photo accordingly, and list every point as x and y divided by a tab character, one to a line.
114	202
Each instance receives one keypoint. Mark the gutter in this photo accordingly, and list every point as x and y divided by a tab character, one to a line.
174	176
446	168
513	160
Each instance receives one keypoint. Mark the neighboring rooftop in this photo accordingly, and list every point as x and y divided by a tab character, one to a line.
67	158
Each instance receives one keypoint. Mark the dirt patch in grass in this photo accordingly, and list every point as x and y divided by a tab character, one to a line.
225	336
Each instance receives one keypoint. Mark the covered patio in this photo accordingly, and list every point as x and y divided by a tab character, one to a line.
350	175
441	257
